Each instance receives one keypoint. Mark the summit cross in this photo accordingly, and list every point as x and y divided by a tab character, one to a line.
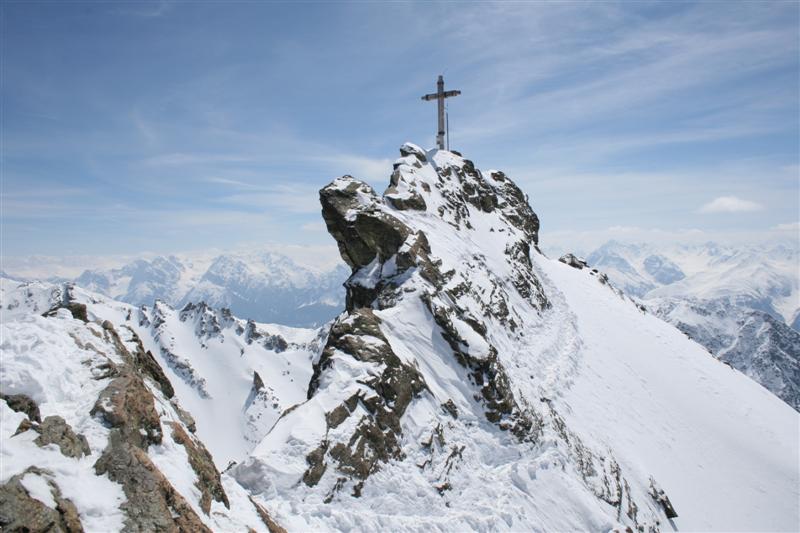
440	95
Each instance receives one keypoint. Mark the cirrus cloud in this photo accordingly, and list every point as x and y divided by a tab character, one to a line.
730	204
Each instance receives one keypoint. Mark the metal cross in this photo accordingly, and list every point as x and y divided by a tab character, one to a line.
440	95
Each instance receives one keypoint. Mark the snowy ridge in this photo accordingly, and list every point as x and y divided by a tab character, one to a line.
466	388
471	383
90	418
87	339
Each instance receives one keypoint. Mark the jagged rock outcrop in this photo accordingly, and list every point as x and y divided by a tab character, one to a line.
55	430
208	478
384	396
23	511
470	383
573	261
23	404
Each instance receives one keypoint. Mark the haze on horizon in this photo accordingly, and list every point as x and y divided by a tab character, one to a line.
168	126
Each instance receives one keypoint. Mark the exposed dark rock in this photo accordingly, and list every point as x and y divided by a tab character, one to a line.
316	465
411	149
342	411
26	425
208	479
142	360
515	208
451	408
490	376
152	503
362	232
376	438
19	512
368	235
78	310
573	261
22	404
658	494
127	405
184	416
54	430
275	343
409	198
265	517
258	383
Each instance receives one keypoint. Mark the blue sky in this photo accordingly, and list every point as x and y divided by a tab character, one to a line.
174	126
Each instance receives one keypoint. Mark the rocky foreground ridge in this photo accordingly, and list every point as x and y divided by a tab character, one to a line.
471	383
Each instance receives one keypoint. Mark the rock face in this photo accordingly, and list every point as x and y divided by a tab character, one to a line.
21	511
54	430
22	404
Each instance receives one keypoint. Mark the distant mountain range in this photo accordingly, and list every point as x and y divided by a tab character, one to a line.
263	286
741	302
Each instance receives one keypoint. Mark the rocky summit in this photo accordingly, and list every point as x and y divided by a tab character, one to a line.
470	383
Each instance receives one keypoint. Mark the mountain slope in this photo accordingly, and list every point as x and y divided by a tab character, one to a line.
738	302
471	383
475	384
94	436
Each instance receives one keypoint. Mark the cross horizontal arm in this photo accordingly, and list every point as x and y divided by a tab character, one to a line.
433	96
448	94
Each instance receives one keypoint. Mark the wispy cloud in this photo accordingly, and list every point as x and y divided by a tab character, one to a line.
607	114
789	226
730	204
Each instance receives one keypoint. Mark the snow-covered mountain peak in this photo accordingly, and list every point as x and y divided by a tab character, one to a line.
460	367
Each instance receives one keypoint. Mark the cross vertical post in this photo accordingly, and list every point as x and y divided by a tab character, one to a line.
439	96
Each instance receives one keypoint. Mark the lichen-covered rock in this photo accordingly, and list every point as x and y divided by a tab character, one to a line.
54	430
152	503
22	404
126	405
21	512
208	479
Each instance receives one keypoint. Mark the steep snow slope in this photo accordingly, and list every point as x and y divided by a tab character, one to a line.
475	384
739	302
718	442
